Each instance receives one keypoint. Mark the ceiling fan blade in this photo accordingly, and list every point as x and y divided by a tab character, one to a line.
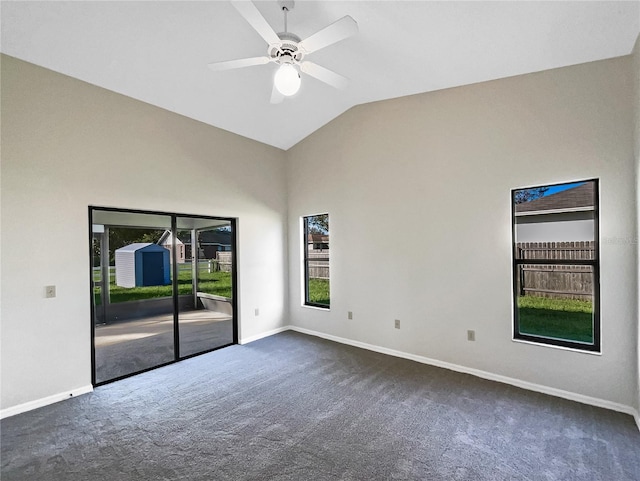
243	62
276	96
252	15
338	30
324	74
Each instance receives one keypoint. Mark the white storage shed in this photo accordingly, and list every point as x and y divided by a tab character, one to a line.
142	264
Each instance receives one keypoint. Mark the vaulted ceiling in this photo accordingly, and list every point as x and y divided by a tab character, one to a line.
158	51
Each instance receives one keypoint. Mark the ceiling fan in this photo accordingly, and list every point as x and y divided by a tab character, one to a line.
288	51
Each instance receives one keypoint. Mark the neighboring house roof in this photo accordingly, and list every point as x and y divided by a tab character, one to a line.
577	198
205	237
222	237
318	238
166	239
139	245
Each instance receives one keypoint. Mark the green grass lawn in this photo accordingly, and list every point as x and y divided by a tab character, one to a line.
569	319
218	283
319	291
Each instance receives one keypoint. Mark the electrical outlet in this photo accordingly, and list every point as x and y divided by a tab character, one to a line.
471	335
257	311
397	323
349	315
49	291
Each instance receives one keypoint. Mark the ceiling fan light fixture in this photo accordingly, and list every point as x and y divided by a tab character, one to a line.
287	80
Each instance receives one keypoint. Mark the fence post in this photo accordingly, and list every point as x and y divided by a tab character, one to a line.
521	274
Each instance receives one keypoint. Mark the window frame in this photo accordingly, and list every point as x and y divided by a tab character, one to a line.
594	263
305	264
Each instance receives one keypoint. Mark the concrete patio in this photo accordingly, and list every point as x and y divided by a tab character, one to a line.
130	346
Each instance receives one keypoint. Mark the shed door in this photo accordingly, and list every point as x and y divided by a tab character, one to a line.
152	269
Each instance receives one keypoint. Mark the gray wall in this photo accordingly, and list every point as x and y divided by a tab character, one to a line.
418	193
66	145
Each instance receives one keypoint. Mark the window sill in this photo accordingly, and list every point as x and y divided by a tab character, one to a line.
319	308
563	348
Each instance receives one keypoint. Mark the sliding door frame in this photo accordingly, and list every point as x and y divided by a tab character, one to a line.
176	332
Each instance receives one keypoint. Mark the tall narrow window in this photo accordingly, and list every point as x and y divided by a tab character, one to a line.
556	267
315	239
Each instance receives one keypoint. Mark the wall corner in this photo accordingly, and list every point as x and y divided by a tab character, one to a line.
636	151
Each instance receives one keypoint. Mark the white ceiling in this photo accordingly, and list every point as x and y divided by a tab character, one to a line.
158	51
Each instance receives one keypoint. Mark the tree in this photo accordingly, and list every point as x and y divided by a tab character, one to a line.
318	224
123	236
527	195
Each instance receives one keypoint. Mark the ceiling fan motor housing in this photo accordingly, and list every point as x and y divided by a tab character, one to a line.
287	51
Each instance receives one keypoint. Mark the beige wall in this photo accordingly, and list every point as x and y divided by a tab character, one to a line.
426	180
67	145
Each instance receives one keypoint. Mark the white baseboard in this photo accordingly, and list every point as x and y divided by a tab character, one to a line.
45	401
28	406
603	403
247	340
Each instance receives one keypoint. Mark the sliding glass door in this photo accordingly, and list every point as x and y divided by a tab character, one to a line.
162	289
205	275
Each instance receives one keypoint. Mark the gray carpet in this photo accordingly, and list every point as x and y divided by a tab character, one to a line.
294	407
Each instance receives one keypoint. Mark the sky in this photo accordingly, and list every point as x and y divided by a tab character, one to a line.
559	188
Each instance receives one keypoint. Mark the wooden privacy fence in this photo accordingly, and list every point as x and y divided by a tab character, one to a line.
318	265
224	261
556	280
